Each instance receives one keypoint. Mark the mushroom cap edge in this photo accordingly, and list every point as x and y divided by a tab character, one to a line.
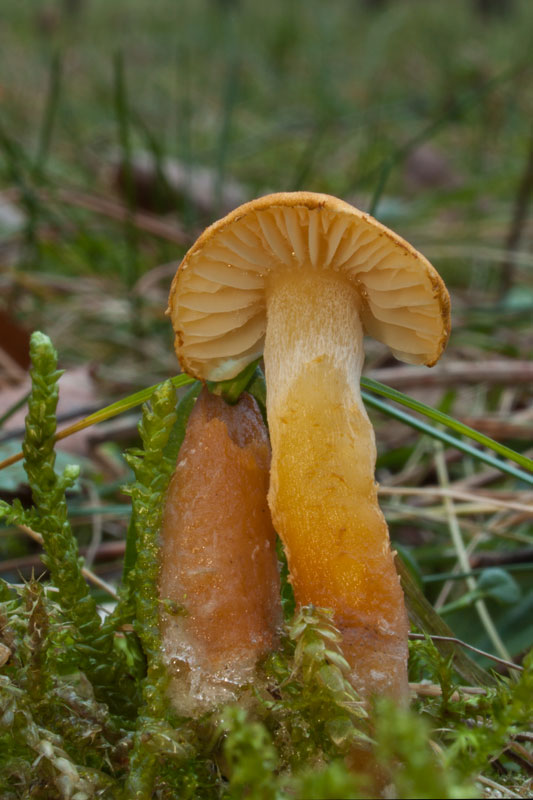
311	201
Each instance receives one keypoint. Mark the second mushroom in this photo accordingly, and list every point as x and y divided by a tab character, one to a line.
302	277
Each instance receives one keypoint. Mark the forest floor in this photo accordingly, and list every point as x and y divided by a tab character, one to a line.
126	127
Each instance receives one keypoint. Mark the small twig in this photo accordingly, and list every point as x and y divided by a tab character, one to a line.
498	428
502	661
437	512
48	284
501	371
87	573
456	495
150	223
163	272
109	208
406	512
524	736
505	791
434	690
466	509
106	553
521	756
481	478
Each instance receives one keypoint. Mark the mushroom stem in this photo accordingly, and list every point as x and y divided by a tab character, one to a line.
219	581
323	495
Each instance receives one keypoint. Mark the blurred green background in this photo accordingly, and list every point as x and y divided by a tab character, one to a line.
418	111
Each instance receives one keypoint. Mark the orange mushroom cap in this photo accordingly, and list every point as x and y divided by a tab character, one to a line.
217	300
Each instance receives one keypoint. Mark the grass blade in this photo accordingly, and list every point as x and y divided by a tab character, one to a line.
127	403
445	437
231	96
438	416
49	117
123	117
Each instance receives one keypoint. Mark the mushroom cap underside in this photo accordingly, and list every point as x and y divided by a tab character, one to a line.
217	300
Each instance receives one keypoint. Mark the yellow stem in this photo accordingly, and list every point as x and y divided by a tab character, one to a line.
323	495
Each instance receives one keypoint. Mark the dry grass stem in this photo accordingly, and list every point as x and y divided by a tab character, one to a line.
489	503
434	690
502	661
87	573
498	787
458	373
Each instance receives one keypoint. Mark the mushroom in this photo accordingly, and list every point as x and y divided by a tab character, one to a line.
219	580
301	276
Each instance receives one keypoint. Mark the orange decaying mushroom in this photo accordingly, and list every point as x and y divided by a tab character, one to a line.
219	579
324	273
